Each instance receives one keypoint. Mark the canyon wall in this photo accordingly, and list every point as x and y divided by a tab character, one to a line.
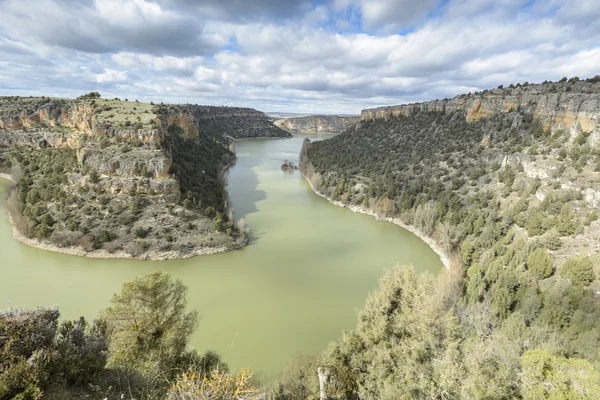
317	124
572	106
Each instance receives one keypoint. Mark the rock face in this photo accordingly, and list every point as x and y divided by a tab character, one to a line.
233	122
317	124
572	106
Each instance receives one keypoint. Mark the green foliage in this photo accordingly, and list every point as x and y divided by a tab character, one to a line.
141	233
404	346
81	351
35	352
197	165
548	377
579	270
539	263
148	328
507	305
90	95
536	223
299	380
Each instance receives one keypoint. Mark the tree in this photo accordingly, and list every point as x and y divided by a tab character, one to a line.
539	263
148	327
424	218
579	270
94	176
548	377
536	224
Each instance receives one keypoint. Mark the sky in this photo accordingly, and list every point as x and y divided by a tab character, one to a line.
323	56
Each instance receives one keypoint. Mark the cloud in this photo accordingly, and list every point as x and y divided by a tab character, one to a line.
326	56
105	26
166	64
388	15
111	76
243	10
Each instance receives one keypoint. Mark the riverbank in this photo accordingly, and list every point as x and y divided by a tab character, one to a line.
103	254
444	257
8	177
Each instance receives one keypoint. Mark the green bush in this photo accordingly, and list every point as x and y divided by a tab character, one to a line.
579	270
549	377
141	233
539	263
35	352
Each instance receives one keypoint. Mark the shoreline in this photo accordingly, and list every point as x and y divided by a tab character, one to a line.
7	176
444	258
121	255
261	138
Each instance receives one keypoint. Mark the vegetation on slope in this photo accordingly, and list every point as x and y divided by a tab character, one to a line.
516	204
137	349
235	122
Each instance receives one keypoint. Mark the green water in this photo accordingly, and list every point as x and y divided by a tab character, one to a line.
294	288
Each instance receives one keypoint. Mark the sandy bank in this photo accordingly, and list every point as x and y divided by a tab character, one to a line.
445	258
7	176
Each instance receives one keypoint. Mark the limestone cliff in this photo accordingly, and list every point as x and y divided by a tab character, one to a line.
570	105
317	124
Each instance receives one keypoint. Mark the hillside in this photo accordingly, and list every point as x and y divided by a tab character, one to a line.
317	124
507	183
113	178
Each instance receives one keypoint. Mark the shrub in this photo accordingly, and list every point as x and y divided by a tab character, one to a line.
34	352
536	223
82	350
105	236
539	263
94	177
579	270
141	233
549	377
217	385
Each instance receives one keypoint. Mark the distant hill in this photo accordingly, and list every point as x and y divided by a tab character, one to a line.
317	123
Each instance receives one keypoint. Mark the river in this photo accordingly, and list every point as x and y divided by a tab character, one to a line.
296	286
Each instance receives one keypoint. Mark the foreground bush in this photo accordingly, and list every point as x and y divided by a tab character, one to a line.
137	350
35	352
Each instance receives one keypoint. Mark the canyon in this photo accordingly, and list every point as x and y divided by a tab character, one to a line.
317	123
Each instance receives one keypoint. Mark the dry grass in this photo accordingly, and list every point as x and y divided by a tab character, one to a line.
122	111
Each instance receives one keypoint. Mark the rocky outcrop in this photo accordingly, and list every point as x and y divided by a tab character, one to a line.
317	124
31	113
288	166
573	106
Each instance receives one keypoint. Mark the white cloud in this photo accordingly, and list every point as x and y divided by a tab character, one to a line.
111	76
292	59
